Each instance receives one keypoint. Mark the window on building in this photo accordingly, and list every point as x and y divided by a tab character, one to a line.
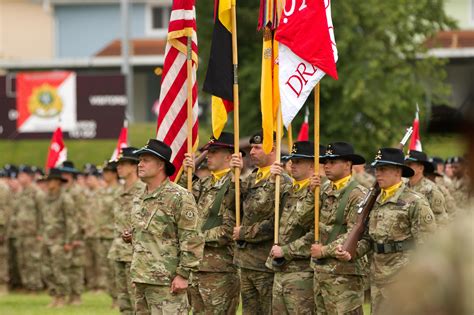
158	16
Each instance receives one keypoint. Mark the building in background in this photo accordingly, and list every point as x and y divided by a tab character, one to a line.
84	36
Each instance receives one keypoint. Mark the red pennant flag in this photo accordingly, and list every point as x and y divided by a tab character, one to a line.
303	135
122	141
57	150
415	141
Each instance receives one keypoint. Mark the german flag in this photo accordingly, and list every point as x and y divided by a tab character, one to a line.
219	76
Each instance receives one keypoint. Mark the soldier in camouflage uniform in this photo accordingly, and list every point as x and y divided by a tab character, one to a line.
4	195
95	278
255	235
58	230
399	220
121	252
26	226
460	184
108	201
76	265
167	245
215	288
418	161
289	258
451	207
14	280
362	177
338	285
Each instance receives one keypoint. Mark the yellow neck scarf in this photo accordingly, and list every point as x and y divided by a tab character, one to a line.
339	184
390	191
300	184
262	173
216	176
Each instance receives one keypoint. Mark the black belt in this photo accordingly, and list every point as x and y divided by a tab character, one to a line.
393	246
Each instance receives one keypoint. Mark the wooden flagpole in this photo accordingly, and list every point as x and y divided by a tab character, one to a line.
189	67
278	177
290	138
316	161
236	110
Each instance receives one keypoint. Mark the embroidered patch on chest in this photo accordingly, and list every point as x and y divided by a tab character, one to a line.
428	218
189	215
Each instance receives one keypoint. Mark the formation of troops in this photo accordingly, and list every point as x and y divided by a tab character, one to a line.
158	248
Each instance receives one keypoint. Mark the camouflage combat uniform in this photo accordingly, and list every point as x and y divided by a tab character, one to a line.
451	207
26	226
365	179
396	225
293	282
435	199
215	287
59	228
166	243
338	285
76	269
14	279
120	252
106	234
95	279
256	280
460	192
4	192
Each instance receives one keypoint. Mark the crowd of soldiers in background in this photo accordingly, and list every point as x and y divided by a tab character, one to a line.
60	231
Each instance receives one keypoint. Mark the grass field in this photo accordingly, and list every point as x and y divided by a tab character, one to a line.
93	304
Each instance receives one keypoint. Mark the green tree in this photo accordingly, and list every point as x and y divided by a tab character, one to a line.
382	69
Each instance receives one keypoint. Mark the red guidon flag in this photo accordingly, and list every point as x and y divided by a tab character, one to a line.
307	51
122	141
57	150
172	115
303	135
415	141
44	99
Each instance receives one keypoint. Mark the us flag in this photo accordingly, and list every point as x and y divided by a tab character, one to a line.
172	115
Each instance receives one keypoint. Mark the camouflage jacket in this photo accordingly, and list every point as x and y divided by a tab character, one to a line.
258	206
79	199
435	199
329	203
296	234
219	248
460	192
166	241
451	206
404	216
365	179
26	217
120	250
4	193
91	209
59	225
105	213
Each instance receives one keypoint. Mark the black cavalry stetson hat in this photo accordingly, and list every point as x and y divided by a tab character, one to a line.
420	157
160	150
110	166
302	150
394	157
341	151
25	169
127	154
55	173
68	167
91	170
225	141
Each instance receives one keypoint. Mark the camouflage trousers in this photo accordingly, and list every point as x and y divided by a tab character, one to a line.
28	254
76	270
157	300
338	294
94	280
293	293
55	264
256	291
14	280
124	287
3	263
378	297
214	292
